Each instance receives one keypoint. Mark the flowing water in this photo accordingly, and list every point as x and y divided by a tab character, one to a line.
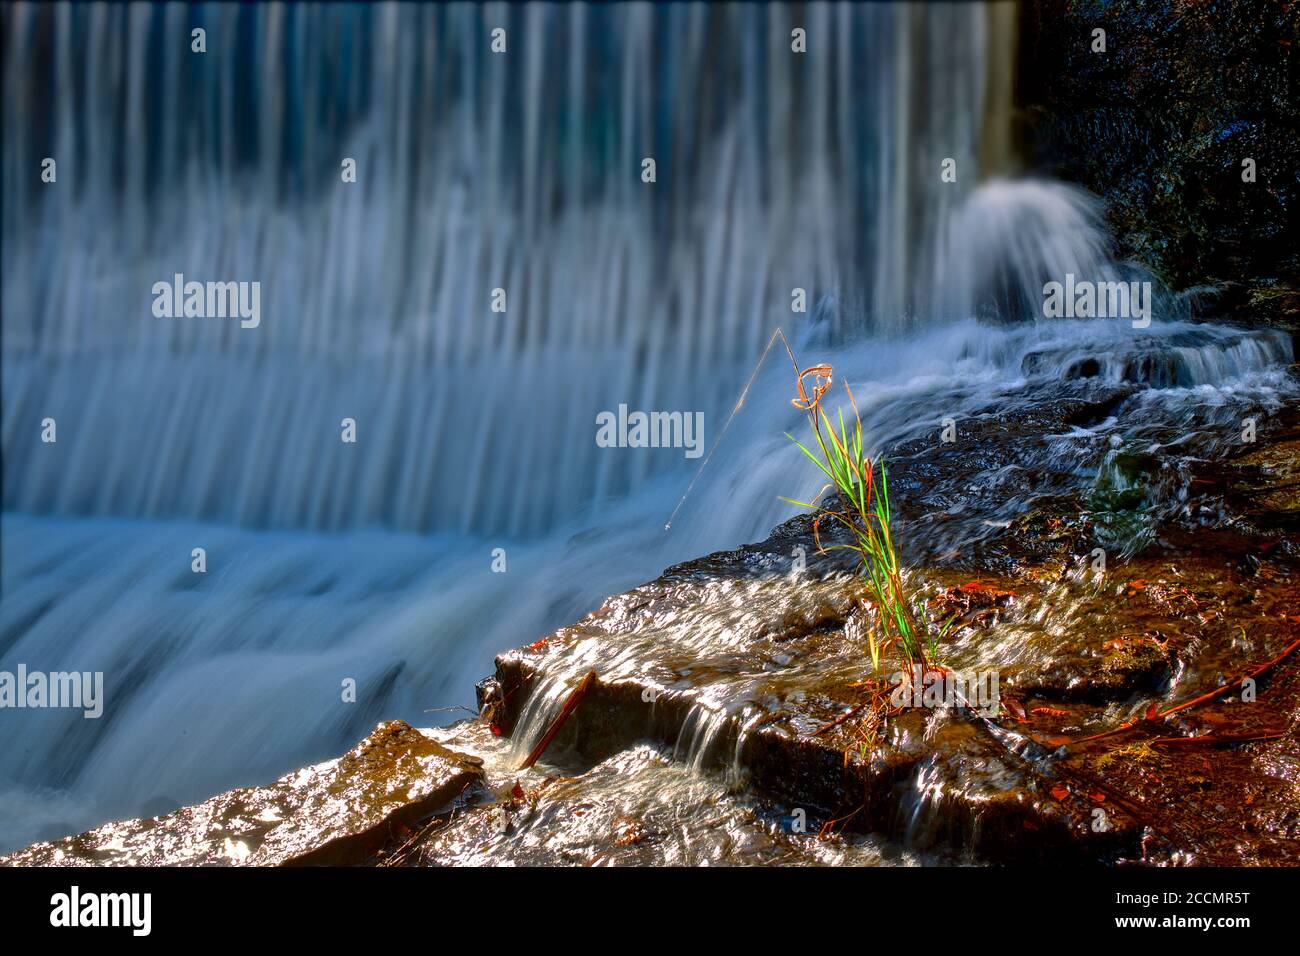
639	807
476	429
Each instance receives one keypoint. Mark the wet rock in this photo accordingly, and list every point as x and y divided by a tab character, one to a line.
638	807
334	813
1270	487
934	780
736	666
956	788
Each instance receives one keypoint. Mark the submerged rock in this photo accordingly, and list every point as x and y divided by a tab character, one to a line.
338	812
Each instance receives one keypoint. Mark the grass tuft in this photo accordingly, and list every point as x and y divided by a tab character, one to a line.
863	509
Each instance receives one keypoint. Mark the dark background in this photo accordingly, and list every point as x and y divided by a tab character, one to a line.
1158	126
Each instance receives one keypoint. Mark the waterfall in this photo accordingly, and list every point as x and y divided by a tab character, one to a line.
476	171
373	561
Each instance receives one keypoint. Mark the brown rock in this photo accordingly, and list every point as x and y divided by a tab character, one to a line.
336	813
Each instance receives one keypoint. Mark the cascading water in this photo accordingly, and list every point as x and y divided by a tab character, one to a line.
518	171
476	171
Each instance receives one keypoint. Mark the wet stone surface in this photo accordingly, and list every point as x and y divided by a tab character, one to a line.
339	812
738	664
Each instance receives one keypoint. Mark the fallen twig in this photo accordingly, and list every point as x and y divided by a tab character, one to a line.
403	852
570	705
839	720
1209	695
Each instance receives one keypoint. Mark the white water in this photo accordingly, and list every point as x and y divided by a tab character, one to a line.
476	431
476	171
